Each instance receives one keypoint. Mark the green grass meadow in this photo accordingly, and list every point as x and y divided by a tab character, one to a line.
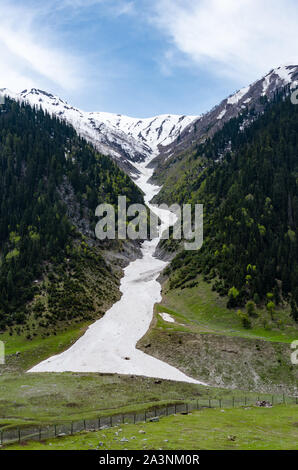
249	428
201	310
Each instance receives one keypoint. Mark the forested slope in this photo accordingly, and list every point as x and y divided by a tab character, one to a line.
247	178
50	268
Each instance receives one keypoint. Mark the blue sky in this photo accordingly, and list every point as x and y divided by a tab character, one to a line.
144	57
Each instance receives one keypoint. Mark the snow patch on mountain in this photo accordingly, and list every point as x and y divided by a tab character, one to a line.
222	114
116	135
280	76
234	99
160	130
285	73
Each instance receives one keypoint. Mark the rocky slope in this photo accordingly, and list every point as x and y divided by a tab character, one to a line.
226	361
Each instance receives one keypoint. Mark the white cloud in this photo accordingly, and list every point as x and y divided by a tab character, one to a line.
25	59
237	38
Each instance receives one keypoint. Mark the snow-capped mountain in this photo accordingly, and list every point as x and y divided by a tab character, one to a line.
248	97
129	140
124	138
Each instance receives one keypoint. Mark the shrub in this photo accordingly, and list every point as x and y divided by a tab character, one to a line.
251	309
245	320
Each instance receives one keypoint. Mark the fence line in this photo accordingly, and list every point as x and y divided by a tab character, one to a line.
39	433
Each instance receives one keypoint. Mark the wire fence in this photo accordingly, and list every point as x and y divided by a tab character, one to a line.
40	433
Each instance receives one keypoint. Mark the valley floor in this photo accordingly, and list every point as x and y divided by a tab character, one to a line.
203	339
53	398
247	428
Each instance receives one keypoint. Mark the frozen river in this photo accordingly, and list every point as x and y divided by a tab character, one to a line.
109	344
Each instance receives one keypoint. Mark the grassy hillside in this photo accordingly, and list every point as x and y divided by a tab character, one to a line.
56	398
208	341
198	306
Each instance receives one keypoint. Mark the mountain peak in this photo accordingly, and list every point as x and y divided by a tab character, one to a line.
246	98
127	139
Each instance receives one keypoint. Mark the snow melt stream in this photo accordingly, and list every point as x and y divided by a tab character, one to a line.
109	345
